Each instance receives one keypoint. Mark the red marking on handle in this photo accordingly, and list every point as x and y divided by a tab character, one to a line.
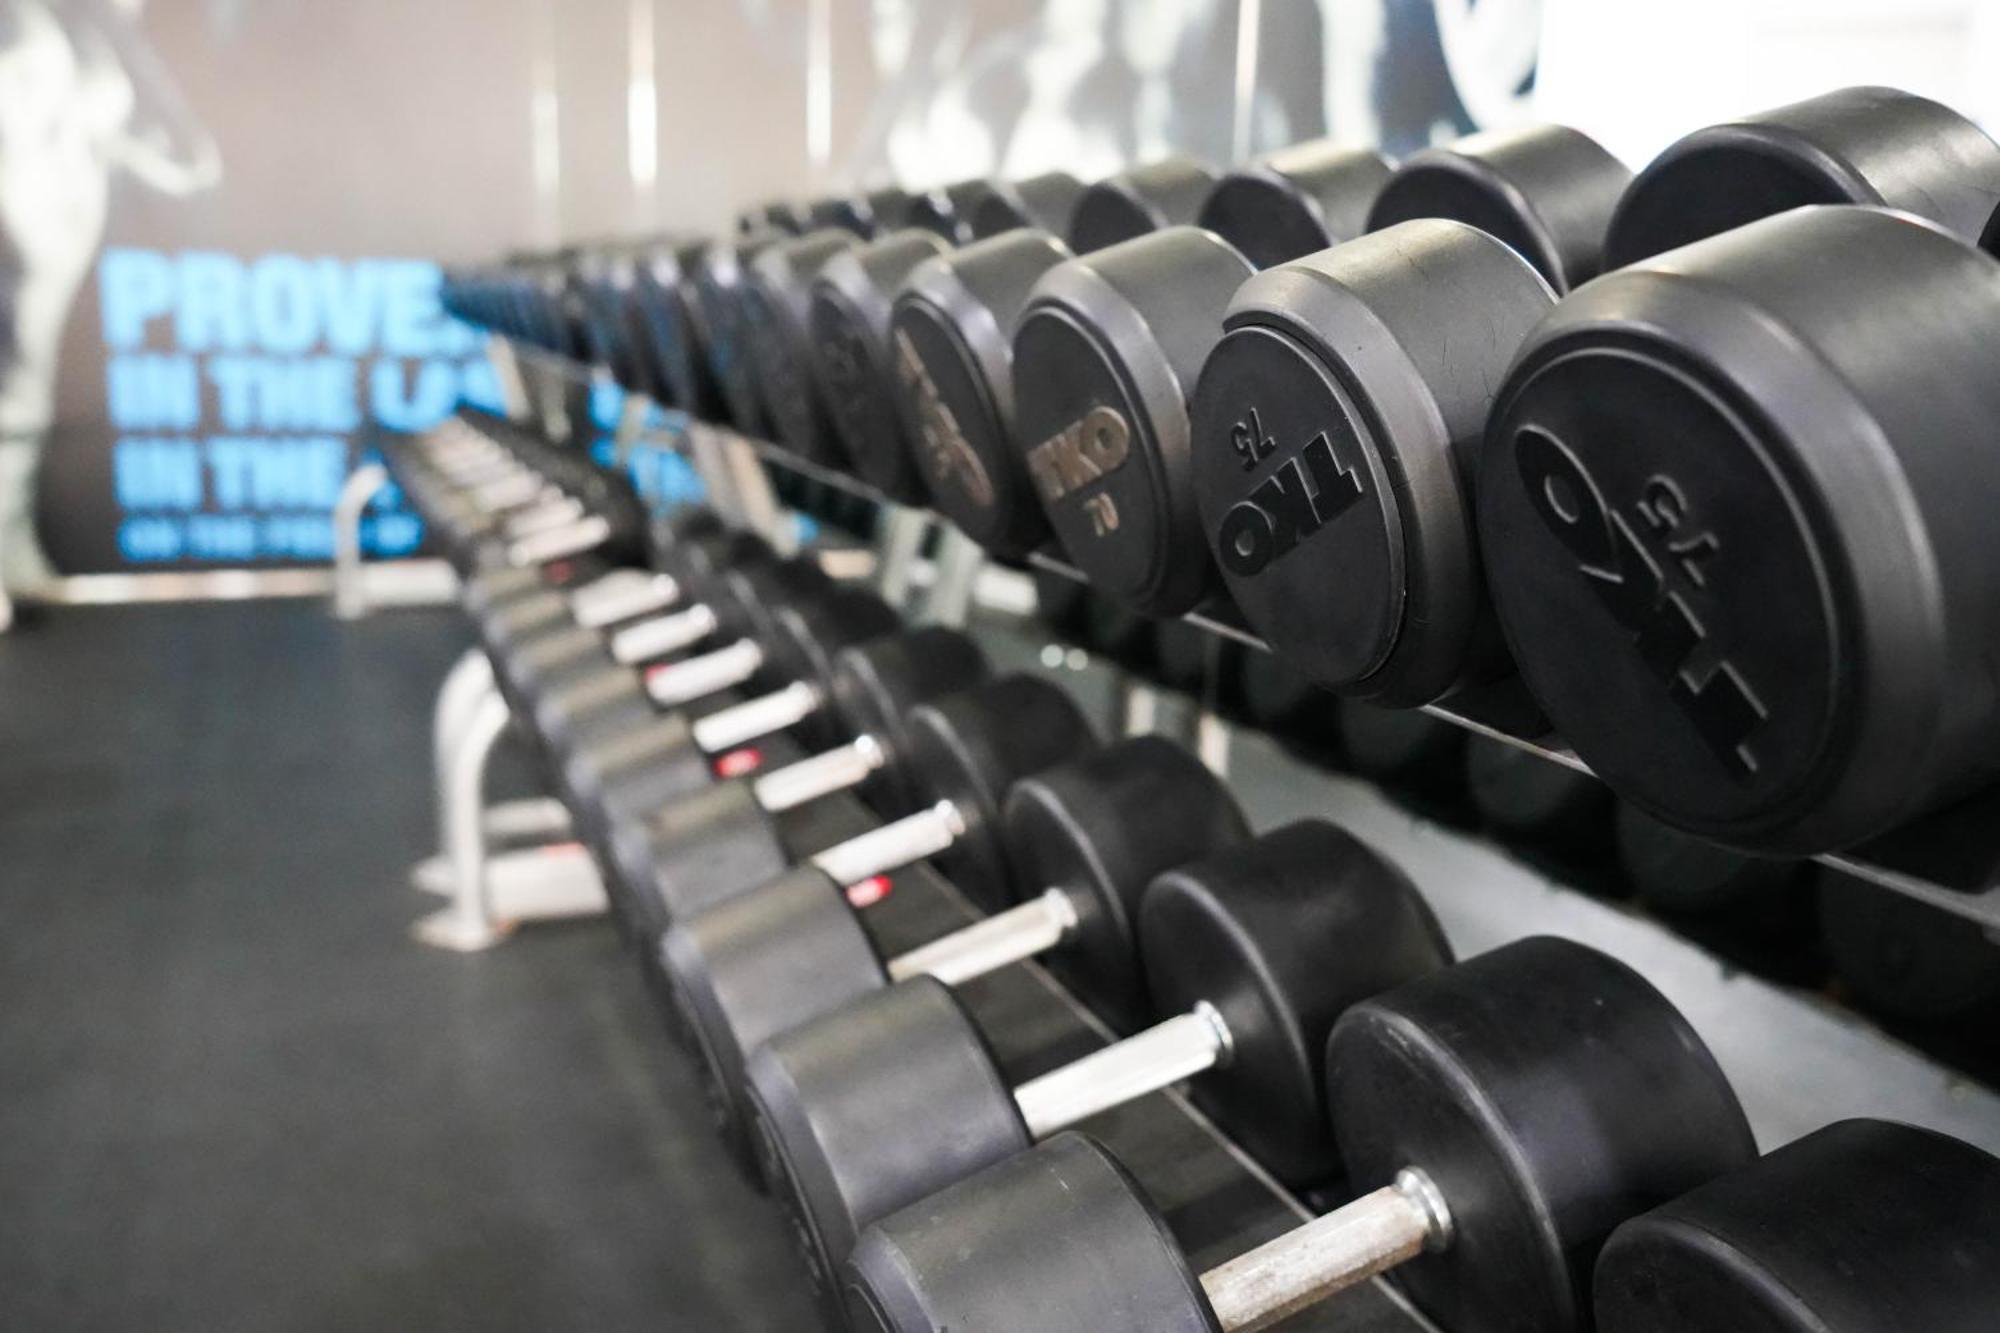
562	849
868	892
738	762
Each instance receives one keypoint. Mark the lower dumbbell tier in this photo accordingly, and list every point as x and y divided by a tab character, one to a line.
1220	1205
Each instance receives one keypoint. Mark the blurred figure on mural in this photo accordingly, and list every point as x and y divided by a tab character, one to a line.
83	98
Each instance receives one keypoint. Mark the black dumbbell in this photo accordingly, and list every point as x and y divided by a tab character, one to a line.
1862	1227
1164	193
947	211
1502	1116
776	304
1197	662
1401	747
670	303
1081	842
1851	146
1547	191
1046	201
1059	604
721	277
1295	201
1334	427
1255	950
950	326
1680	875
865	215
1112	342
1276	698
1682	518
783	215
1521	795
953	323
856	355
1902	958
957	755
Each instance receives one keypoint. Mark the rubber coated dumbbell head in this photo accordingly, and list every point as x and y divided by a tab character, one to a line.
874	685
1061	1237
1906	959
1683	520
719	284
1277	698
776	308
1547	191
784	216
1335	427
849	320
679	326
1098	831
1526	796
1112	343
1546	1092
864	215
950	345
804	636
1166	193
1198	662
1258	948
1850	146
1295	201
947	211
793	950
1045	202
1281	937
1864	1226
1676	873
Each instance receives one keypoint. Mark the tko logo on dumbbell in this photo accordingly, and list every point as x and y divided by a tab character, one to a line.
1302	495
1082	452
941	437
1633	586
844	364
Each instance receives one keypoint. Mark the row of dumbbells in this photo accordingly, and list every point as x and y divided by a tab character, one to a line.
1538	1139
1704	470
1898	959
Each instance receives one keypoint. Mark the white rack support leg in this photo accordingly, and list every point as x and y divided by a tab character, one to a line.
350	576
469	923
901	540
535	820
489	898
959	560
469	680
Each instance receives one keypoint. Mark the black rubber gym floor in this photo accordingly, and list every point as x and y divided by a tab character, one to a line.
235	1095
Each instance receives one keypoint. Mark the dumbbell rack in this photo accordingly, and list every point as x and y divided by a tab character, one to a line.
1222	1201
1949	859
